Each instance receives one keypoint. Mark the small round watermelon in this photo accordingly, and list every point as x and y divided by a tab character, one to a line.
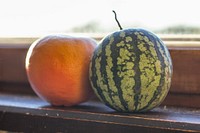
131	70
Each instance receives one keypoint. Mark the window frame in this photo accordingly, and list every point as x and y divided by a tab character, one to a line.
13	76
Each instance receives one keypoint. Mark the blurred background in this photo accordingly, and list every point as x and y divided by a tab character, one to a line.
41	17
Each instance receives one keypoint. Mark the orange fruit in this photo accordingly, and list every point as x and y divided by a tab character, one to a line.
57	67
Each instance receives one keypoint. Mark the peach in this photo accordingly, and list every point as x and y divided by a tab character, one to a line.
57	67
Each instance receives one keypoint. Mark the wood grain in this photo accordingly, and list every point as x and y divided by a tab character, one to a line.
20	113
182	100
186	70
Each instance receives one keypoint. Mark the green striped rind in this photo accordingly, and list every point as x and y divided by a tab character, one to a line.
131	70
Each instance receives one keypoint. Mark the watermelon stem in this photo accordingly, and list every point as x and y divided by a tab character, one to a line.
120	27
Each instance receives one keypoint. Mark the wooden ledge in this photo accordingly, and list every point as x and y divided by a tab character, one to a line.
23	113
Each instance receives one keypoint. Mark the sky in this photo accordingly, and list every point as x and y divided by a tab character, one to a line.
33	17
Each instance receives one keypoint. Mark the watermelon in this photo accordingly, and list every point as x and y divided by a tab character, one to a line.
131	70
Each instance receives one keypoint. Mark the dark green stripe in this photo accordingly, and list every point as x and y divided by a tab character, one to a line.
104	73
166	52
168	57
137	88
163	65
117	79
94	77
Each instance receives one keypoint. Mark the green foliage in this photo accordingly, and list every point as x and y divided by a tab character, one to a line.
94	26
180	29
89	27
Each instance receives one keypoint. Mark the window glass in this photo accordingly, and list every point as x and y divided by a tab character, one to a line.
36	17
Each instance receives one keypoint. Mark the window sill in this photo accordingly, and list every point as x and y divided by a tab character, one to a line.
27	113
22	111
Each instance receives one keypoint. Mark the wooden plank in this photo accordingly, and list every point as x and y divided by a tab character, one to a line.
29	114
12	65
186	74
182	100
185	67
